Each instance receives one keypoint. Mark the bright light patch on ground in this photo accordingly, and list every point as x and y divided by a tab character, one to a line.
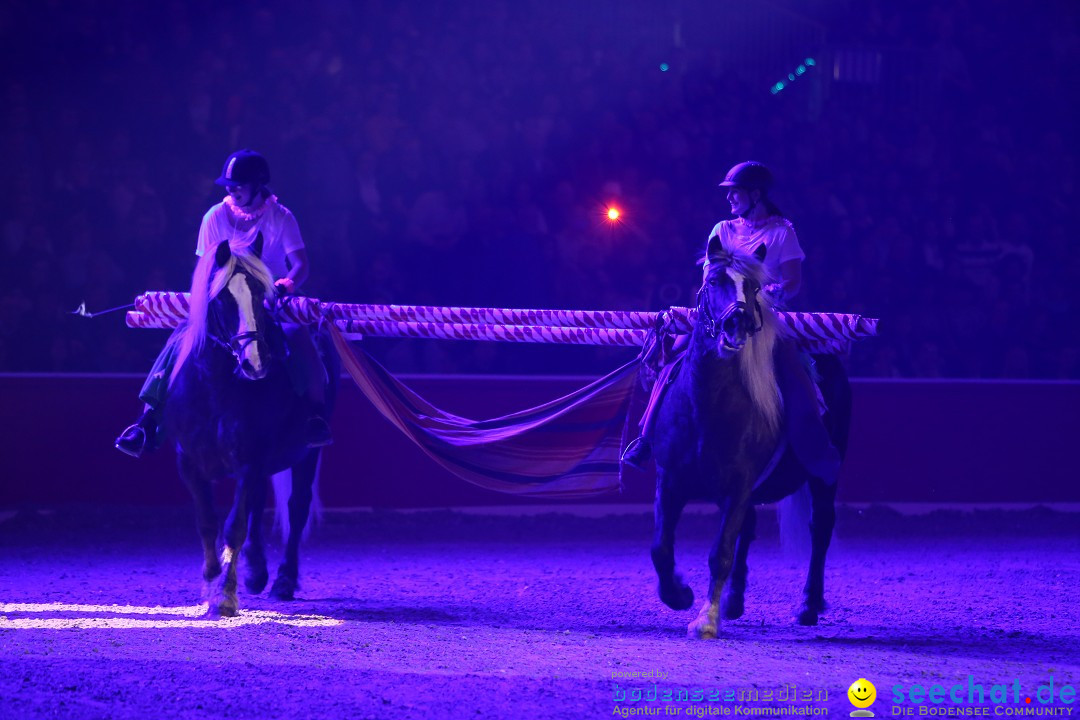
114	617
189	611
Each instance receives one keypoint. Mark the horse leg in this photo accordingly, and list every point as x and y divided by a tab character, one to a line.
223	602
205	518
720	560
256	576
667	509
303	479
822	521
733	604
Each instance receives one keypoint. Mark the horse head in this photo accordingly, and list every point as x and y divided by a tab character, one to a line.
729	303
237	317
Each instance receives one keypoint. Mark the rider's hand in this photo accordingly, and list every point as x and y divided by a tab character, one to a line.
776	294
284	286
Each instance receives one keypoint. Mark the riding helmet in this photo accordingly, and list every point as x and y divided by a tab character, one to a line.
244	167
749	176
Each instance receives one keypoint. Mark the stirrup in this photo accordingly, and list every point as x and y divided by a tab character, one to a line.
637	453
132	441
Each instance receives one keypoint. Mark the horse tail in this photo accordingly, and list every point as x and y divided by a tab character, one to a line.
793	516
282	482
315	511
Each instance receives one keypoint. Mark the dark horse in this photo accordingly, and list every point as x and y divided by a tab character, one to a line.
721	429
233	412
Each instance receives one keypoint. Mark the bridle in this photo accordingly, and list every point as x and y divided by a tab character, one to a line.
237	343
736	323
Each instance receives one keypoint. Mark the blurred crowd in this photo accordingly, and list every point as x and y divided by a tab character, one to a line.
465	153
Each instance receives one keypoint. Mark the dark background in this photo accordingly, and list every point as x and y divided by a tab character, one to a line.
463	153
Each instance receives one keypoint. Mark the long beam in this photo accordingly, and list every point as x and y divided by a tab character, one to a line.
814	332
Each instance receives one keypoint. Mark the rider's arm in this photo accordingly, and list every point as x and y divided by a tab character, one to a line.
299	269
791	277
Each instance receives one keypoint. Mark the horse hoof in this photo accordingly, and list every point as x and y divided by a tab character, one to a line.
701	631
807	617
283	589
256	576
732	607
256	582
226	609
677	595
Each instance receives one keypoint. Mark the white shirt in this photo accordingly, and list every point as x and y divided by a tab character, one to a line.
281	233
781	243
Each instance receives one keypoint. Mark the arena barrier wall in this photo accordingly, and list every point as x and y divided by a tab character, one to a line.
911	441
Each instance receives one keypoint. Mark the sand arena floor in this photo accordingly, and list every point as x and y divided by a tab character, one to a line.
542	614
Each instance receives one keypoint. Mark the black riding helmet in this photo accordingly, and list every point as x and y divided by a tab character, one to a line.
245	167
749	175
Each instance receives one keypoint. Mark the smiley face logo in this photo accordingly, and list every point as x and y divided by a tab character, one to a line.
862	693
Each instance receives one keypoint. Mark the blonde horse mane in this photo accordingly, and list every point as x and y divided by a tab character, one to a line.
758	370
207	281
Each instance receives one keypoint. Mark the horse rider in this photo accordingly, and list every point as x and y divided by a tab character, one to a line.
247	210
758	221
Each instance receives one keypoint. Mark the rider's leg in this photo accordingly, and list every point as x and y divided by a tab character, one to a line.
802	413
639	451
309	379
144	434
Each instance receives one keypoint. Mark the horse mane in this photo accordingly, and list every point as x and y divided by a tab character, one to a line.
207	281
756	365
758	369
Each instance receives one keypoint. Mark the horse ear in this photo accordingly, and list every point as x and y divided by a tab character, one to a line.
713	247
258	247
760	252
223	253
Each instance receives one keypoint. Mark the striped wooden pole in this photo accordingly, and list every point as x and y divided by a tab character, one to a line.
814	332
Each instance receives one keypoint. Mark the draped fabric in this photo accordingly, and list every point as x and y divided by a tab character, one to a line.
567	448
